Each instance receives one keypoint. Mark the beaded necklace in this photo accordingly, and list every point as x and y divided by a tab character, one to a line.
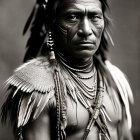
87	91
83	93
96	110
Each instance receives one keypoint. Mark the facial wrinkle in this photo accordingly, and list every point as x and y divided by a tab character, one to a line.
62	30
65	34
71	6
69	36
99	27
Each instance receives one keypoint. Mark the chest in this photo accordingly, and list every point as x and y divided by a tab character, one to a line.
78	116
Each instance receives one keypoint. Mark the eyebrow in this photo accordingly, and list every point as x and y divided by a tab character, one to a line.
82	12
76	9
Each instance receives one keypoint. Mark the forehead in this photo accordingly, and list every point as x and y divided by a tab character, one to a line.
88	5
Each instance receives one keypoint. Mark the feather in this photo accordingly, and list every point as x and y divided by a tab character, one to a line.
110	38
6	106
103	112
30	18
33	86
123	87
15	93
69	84
71	89
43	100
33	75
24	106
38	33
33	15
31	105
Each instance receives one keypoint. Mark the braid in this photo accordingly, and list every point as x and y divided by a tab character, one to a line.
61	107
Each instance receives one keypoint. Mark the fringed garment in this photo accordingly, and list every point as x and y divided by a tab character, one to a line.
34	83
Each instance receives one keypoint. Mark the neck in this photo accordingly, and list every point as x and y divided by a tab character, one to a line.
79	64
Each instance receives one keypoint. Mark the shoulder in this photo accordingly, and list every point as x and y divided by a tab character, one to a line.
31	87
121	80
36	74
123	88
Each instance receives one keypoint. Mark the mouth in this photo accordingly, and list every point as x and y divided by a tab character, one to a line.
85	45
85	42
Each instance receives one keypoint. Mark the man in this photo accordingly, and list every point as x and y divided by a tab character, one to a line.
71	91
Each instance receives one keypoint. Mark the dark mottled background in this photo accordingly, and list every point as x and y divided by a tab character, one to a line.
125	54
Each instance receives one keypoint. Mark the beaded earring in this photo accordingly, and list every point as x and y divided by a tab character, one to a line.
49	45
44	5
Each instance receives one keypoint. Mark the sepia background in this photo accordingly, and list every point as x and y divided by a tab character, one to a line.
125	54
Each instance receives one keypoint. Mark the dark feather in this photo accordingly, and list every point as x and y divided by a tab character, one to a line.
5	107
37	30
10	106
32	15
28	23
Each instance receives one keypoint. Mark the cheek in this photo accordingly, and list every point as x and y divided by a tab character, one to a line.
71	35
65	33
62	32
72	31
99	27
97	31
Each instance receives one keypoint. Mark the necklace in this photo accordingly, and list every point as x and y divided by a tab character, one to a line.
78	80
87	91
84	89
92	73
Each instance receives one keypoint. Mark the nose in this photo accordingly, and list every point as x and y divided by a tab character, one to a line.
85	29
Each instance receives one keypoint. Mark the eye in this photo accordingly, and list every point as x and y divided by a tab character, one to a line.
95	17
72	17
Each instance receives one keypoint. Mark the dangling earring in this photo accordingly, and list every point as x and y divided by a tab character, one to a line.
50	44
44	5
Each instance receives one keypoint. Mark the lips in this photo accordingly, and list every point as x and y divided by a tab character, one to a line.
85	42
85	45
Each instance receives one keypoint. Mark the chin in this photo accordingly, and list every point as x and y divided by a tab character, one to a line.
84	54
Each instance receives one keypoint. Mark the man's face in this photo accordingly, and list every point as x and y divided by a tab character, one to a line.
79	26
